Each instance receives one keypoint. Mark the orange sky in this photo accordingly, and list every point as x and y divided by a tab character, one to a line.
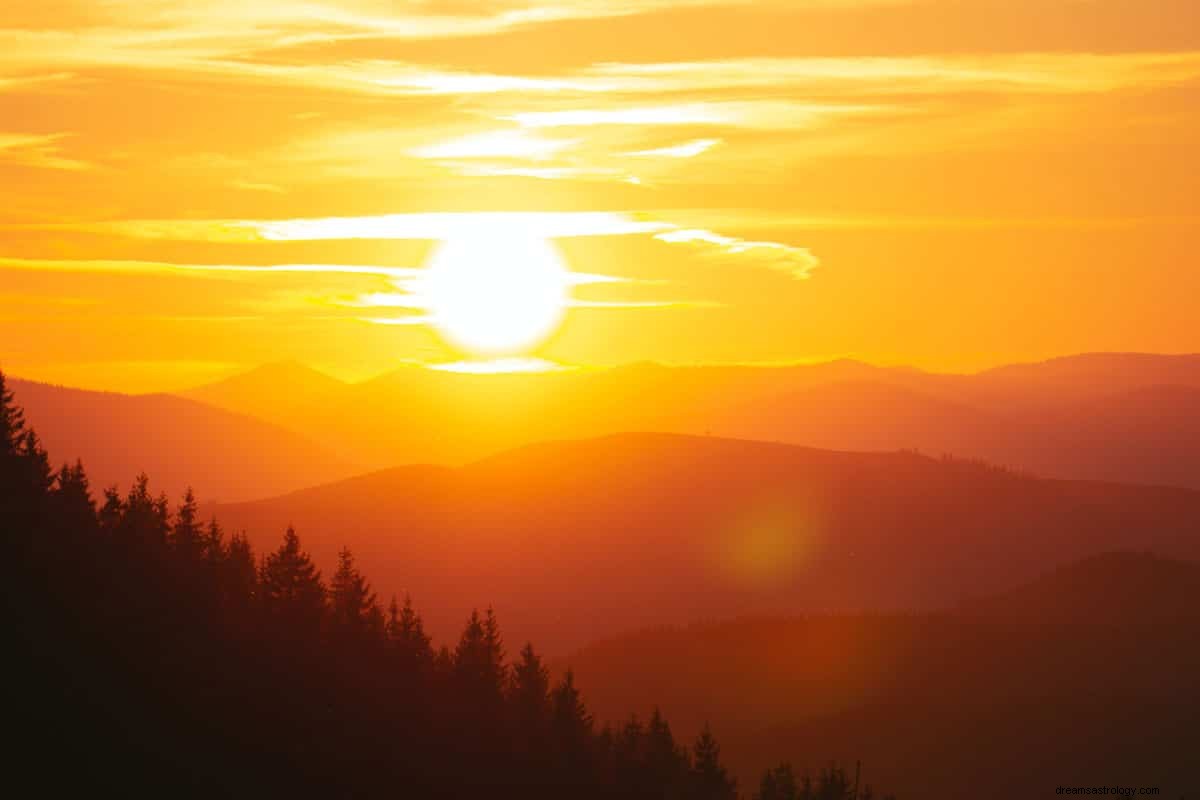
943	183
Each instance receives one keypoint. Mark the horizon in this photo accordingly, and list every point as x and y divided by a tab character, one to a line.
120	383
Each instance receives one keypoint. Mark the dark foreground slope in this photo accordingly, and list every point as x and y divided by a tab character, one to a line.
146	656
656	528
1070	680
221	454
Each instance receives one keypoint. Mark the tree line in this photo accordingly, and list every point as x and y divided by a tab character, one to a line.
154	653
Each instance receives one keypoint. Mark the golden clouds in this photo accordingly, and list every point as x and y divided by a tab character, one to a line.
686	155
37	150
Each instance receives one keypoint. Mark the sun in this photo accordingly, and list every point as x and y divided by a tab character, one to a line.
495	292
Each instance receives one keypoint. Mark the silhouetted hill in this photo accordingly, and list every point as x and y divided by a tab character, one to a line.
281	379
869	415
659	528
1125	417
1107	589
1001	699
223	455
1072	379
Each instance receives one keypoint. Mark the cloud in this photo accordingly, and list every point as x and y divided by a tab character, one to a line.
689	114
795	261
987	73
685	150
643	304
409	320
426	226
251	186
37	150
496	144
760	114
447	225
161	267
17	83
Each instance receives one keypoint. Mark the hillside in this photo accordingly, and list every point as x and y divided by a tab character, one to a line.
178	442
1002	695
658	528
1107	589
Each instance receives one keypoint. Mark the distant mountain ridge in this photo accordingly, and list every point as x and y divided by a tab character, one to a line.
1123	417
177	441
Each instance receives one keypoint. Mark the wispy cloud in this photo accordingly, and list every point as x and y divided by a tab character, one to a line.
685	150
253	186
17	83
795	261
161	267
37	150
448	225
495	144
989	73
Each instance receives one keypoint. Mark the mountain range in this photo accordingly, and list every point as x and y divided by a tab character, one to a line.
663	528
178	442
1123	417
1131	418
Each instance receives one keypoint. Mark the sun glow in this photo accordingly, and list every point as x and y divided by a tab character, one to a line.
496	292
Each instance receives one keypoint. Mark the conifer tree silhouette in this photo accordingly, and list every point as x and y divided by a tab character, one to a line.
158	643
187	537
529	697
710	780
778	783
291	590
355	608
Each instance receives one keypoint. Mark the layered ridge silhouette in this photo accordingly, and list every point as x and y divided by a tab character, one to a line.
223	455
663	528
1122	417
1083	676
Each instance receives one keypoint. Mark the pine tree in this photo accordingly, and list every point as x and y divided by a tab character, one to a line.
37	470
494	643
571	735
832	784
112	510
529	698
12	421
212	545
145	520
239	579
291	589
778	783
406	632
479	661
355	607
25	477
710	780
570	722
73	500
187	537
666	764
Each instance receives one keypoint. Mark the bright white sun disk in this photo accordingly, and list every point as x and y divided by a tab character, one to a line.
495	293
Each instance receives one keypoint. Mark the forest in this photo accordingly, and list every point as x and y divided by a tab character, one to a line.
152	652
